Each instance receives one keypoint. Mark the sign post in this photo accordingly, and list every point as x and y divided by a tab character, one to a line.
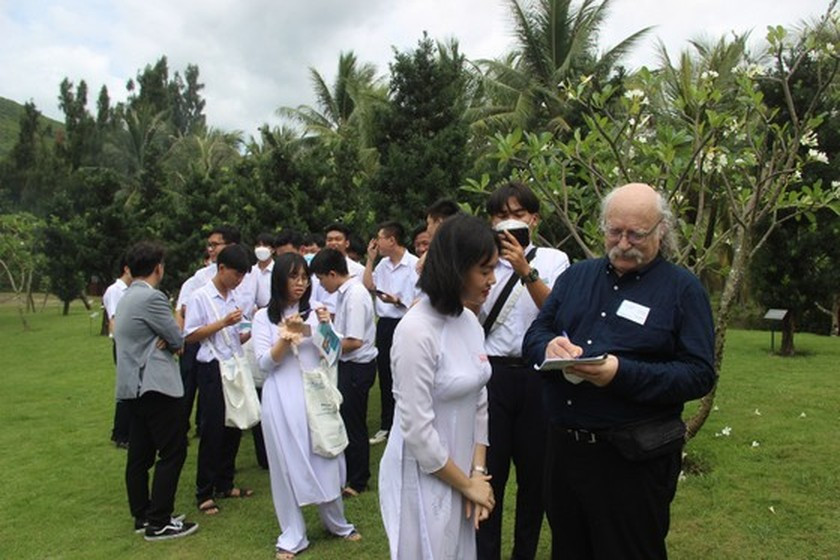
774	315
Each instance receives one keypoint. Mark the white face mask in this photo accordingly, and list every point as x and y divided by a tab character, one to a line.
263	253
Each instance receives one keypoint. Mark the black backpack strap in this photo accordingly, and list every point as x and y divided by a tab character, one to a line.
504	295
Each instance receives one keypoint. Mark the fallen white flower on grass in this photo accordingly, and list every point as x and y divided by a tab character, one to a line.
682	477
772	510
755	444
802	415
725	431
757	412
715	408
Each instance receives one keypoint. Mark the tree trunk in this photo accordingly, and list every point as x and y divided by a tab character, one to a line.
85	300
788	328
835	315
727	303
103	328
66	310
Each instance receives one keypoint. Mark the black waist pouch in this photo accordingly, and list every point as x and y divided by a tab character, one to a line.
648	439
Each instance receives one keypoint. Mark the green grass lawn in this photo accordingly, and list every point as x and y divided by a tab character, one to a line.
65	498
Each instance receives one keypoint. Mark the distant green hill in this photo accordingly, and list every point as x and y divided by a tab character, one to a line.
10	113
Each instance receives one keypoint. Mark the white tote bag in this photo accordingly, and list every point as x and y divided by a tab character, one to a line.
242	406
323	401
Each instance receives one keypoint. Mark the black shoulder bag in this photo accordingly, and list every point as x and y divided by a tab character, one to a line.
504	295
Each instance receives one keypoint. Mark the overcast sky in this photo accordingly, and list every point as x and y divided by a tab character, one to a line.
254	55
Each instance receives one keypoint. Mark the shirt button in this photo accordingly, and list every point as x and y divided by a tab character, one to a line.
603	314
589	341
569	402
615	287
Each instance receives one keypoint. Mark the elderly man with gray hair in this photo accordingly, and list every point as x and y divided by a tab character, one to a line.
616	436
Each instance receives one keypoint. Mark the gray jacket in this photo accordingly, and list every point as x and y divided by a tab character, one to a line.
142	317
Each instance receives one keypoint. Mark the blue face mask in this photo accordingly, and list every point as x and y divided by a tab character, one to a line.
308	258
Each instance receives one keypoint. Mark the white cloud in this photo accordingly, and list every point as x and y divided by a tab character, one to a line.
254	55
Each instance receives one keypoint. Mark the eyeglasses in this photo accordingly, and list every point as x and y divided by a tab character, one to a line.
300	279
214	244
633	237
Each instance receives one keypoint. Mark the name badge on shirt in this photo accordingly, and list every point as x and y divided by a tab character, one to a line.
633	311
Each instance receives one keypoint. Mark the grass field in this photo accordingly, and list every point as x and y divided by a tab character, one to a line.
769	489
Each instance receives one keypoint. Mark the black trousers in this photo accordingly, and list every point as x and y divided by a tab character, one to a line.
122	416
155	429
219	444
259	440
517	433
188	365
602	506
385	327
354	382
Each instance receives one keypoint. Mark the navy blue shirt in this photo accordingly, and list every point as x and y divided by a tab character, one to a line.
658	323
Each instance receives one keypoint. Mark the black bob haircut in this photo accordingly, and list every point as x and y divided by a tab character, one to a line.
287	266
443	208
329	260
142	258
229	233
498	200
236	257
460	243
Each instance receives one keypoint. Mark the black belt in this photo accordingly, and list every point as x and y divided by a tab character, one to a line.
581	436
508	361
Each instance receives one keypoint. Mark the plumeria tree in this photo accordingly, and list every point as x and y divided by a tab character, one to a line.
701	131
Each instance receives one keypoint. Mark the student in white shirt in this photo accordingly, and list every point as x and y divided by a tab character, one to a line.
517	422
212	310
394	282
338	238
354	323
219	238
110	299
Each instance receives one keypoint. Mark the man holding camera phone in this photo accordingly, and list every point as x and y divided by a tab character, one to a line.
524	276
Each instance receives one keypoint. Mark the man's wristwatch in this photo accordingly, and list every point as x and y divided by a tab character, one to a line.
531	277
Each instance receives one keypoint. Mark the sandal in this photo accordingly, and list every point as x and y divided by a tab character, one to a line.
283	554
348	492
355	536
236	493
209	507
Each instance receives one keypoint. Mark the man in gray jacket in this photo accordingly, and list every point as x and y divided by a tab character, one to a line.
149	381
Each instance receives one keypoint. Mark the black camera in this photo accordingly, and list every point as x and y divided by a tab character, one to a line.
522	235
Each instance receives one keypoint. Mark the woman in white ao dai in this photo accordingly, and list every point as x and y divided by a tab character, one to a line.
431	475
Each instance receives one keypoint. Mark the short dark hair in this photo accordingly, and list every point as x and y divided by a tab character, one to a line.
417	231
460	243
229	233
443	208
143	257
235	257
339	227
286	265
393	229
499	198
329	260
266	239
289	237
313	239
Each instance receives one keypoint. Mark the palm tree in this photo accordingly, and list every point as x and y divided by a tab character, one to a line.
557	42
343	109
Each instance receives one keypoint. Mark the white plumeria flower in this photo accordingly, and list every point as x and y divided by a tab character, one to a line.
817	155
772	510
755	444
809	139
715	408
803	415
681	477
727	431
757	412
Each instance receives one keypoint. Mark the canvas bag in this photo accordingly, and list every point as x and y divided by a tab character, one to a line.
242	406
322	398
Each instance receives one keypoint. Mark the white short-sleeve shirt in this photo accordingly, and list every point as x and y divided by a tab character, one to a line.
112	297
208	306
354	319
398	280
505	339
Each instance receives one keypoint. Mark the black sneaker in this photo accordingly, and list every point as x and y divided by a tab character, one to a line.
141	524
172	530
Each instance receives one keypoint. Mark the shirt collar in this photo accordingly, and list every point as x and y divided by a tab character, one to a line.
639	272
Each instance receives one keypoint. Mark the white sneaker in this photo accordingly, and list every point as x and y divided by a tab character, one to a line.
379	437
